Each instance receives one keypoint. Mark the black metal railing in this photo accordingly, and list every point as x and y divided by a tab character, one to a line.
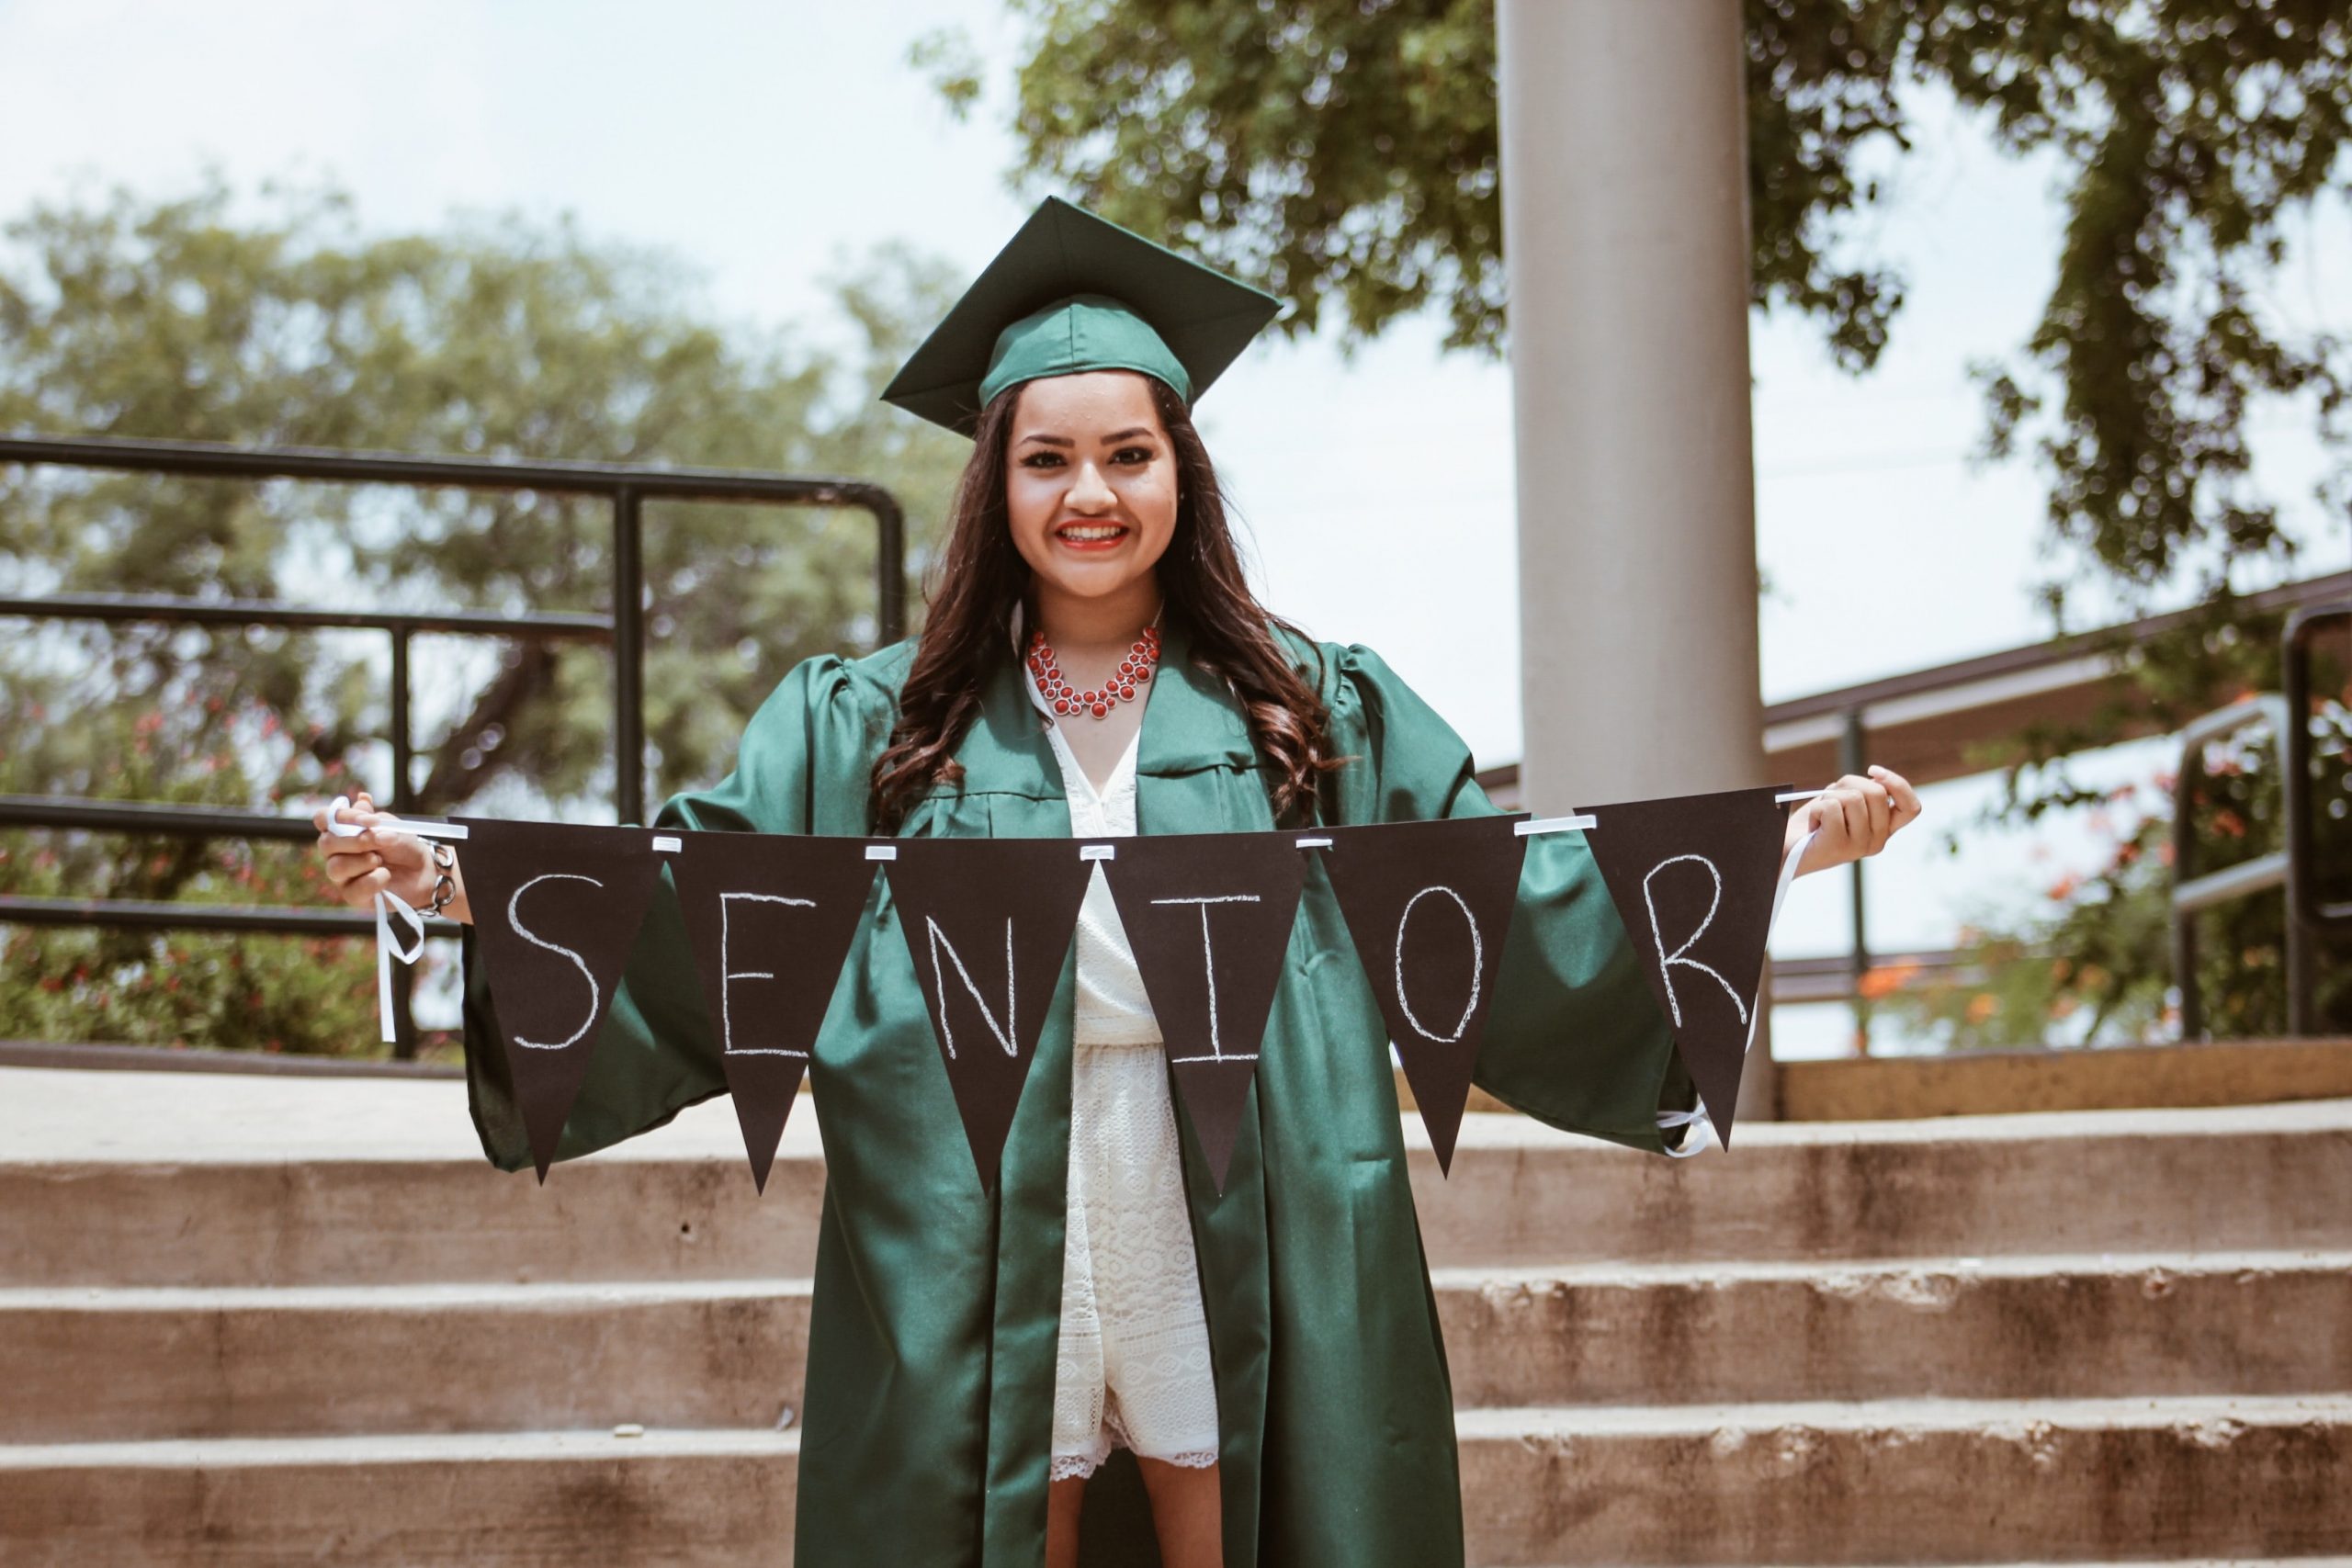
627	486
164	610
2285	717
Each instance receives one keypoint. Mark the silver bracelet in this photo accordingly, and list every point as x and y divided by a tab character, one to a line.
444	886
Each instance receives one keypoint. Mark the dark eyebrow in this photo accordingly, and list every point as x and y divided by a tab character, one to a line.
1128	434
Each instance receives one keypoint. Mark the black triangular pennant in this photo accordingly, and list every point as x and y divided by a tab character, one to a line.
1694	879
988	922
1209	917
556	909
771	917
1429	904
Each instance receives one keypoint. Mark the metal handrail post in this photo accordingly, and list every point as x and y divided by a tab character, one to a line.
2189	896
628	655
403	744
1853	753
889	564
403	801
2303	889
2306	916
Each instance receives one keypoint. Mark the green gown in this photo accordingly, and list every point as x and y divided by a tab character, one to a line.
932	1344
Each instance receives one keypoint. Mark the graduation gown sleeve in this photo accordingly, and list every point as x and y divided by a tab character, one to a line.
802	768
1575	1038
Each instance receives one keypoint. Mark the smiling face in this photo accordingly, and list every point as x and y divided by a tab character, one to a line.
1091	494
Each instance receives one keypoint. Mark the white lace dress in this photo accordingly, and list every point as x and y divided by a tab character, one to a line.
1133	1368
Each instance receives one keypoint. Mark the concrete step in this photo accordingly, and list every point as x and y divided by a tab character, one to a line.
2267	1178
1974	1328
103	1365
159	1178
83	1365
1910	1481
667	1499
218	1179
1893	1482
348	1222
1974	1083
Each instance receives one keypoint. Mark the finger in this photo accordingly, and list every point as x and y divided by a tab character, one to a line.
1878	810
359	891
1907	799
346	868
347	858
1836	824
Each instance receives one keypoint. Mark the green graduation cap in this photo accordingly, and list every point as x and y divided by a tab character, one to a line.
1074	292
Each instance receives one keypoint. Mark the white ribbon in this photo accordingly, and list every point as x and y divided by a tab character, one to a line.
390	906
388	948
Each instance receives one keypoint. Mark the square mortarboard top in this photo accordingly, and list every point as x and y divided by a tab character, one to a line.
1072	292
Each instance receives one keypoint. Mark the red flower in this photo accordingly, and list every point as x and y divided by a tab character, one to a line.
1884	980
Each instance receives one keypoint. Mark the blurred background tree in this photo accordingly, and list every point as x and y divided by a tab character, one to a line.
1345	154
280	320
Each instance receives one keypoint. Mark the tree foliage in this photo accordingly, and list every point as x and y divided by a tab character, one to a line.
1346	154
282	322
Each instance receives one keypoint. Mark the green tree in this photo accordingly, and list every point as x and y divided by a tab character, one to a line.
1346	154
283	321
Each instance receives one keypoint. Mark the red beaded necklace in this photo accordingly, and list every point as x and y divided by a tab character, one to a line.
1134	671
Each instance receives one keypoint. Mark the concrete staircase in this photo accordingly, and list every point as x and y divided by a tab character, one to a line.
263	1321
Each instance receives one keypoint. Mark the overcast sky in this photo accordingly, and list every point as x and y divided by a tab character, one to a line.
766	143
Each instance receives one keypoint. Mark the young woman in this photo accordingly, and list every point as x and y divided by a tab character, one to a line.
1093	661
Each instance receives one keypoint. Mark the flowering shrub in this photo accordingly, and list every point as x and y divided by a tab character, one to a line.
269	992
2094	964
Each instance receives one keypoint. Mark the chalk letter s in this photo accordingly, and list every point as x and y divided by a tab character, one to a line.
595	994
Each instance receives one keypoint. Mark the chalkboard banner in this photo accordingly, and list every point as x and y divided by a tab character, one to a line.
1209	917
1694	879
988	922
1429	904
771	919
556	909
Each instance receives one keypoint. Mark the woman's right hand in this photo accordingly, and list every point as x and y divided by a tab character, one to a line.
380	860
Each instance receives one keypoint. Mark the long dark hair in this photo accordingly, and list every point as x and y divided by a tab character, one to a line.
980	575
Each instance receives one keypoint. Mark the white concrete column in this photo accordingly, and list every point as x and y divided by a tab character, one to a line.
1624	164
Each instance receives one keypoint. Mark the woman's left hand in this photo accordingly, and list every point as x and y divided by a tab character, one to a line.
1855	816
